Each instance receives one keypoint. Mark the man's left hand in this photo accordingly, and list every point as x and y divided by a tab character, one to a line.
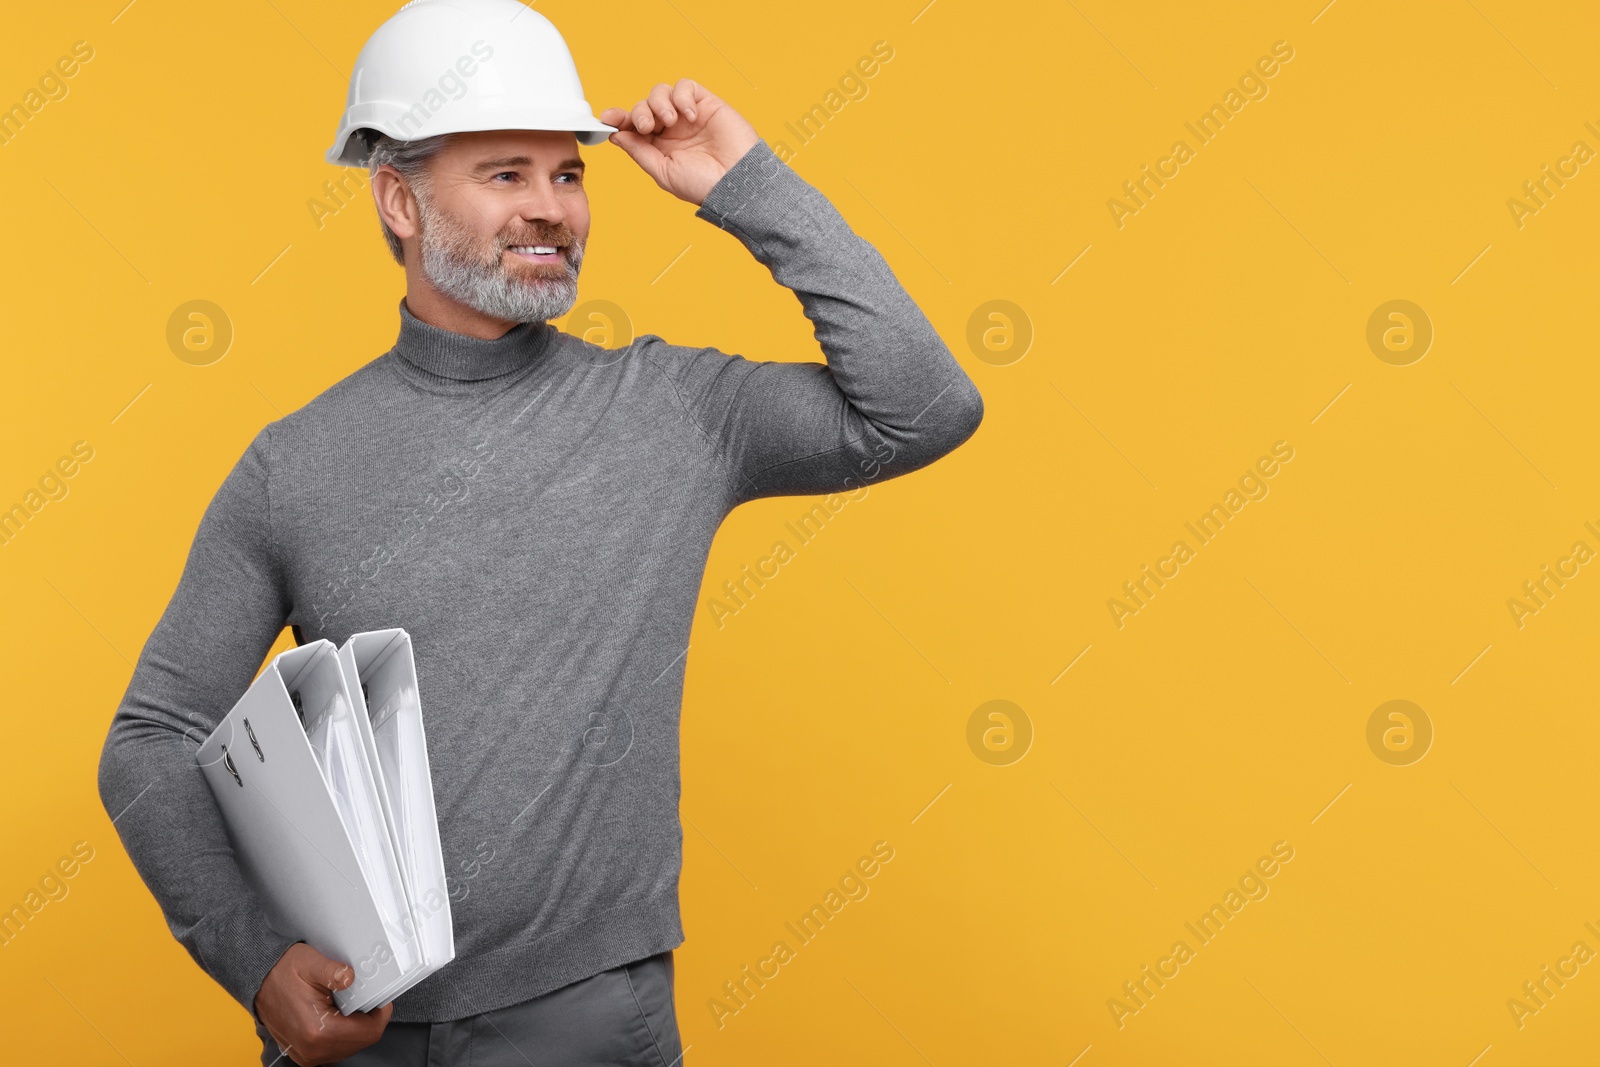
683	136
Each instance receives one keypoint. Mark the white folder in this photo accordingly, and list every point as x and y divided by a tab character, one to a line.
297	777
381	674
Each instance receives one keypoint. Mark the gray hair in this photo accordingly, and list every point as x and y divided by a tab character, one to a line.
410	158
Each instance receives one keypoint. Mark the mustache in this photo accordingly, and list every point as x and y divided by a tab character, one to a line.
556	238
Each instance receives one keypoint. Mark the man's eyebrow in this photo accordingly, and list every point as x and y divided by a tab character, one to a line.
523	161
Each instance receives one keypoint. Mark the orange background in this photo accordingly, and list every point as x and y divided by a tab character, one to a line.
1041	860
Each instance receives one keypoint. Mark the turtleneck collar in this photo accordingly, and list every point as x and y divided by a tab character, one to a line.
468	359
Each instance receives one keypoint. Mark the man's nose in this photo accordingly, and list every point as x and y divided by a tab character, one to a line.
541	204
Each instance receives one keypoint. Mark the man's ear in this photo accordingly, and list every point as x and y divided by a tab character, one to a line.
395	202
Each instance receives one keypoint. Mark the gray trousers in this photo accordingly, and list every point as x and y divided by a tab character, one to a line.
624	1016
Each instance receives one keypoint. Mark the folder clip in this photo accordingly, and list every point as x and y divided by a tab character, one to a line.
227	761
253	742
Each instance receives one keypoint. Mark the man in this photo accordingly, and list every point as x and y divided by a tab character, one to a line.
536	511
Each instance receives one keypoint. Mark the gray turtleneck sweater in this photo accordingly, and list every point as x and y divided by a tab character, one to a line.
536	511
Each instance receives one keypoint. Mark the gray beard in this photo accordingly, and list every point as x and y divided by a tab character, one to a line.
453	260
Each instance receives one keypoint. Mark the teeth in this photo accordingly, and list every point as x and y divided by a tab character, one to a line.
540	250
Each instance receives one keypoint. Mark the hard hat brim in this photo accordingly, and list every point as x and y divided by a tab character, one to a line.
350	150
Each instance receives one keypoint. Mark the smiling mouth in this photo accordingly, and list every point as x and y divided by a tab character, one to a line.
537	253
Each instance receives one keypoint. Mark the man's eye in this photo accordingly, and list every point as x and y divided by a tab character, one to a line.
574	175
503	173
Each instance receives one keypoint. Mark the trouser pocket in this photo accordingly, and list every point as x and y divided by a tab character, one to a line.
651	980
623	1017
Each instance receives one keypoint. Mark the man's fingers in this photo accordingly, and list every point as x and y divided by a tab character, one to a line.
367	1026
358	1024
660	101
684	96
661	108
644	120
327	974
339	1035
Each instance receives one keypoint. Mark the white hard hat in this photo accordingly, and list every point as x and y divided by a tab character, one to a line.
454	66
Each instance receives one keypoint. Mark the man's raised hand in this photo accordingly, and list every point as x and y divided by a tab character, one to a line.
683	136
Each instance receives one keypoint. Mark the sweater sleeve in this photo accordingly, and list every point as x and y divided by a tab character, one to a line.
229	607
890	399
